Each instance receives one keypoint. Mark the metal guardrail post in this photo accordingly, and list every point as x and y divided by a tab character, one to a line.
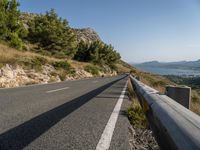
181	94
174	126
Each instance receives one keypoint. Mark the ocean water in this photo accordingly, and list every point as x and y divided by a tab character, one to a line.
170	71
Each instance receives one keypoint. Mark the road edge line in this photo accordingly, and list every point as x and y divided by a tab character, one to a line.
106	137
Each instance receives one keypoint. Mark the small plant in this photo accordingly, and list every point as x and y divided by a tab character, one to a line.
33	63
132	71
64	68
92	69
136	115
158	83
15	41
39	61
62	65
62	75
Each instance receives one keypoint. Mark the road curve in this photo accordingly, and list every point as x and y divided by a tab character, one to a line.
66	115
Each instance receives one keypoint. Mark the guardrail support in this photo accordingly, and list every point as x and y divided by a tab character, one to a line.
181	94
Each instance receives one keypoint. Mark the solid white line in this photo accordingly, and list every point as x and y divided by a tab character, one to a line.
57	90
106	137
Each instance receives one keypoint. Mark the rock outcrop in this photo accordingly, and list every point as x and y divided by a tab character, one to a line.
87	35
14	76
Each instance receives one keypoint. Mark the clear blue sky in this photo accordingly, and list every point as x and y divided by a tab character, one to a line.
141	30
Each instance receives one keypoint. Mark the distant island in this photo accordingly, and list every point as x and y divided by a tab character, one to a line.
183	68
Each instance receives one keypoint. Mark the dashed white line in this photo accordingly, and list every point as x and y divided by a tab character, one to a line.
95	81
51	91
106	137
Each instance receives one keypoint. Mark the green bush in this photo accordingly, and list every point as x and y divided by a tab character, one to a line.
53	34
133	71
92	69
63	68
11	27
158	83
39	61
62	75
97	53
62	65
15	41
34	63
137	116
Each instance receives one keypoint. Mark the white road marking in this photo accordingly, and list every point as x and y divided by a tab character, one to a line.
95	81
106	137
51	91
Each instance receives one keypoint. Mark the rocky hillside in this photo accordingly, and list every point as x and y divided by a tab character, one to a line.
19	68
87	35
27	66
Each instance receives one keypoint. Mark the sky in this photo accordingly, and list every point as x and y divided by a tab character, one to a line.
140	30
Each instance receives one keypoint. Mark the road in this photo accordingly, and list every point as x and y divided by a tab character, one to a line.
79	115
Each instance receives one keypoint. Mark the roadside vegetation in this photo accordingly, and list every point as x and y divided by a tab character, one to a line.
135	113
160	82
142	137
48	39
94	70
11	27
97	53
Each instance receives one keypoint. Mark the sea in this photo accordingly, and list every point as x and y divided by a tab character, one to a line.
170	71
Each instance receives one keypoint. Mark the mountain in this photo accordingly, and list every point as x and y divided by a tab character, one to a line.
194	65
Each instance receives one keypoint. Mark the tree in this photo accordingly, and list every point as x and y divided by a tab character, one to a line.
82	53
53	34
98	53
11	27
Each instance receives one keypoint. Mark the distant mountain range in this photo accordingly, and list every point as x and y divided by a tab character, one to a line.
192	65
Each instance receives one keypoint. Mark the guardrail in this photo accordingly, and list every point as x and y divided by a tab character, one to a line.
174	126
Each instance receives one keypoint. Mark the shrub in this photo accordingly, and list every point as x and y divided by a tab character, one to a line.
62	75
136	116
158	83
98	53
53	34
15	41
11	27
133	71
62	65
33	63
92	69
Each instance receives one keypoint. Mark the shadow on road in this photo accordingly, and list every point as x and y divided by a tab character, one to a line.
22	135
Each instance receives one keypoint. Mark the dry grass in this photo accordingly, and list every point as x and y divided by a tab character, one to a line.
11	56
78	65
195	101
122	69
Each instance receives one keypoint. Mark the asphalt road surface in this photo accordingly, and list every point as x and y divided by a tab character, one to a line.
73	115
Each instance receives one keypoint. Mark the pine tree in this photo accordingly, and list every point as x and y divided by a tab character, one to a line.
53	34
11	27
